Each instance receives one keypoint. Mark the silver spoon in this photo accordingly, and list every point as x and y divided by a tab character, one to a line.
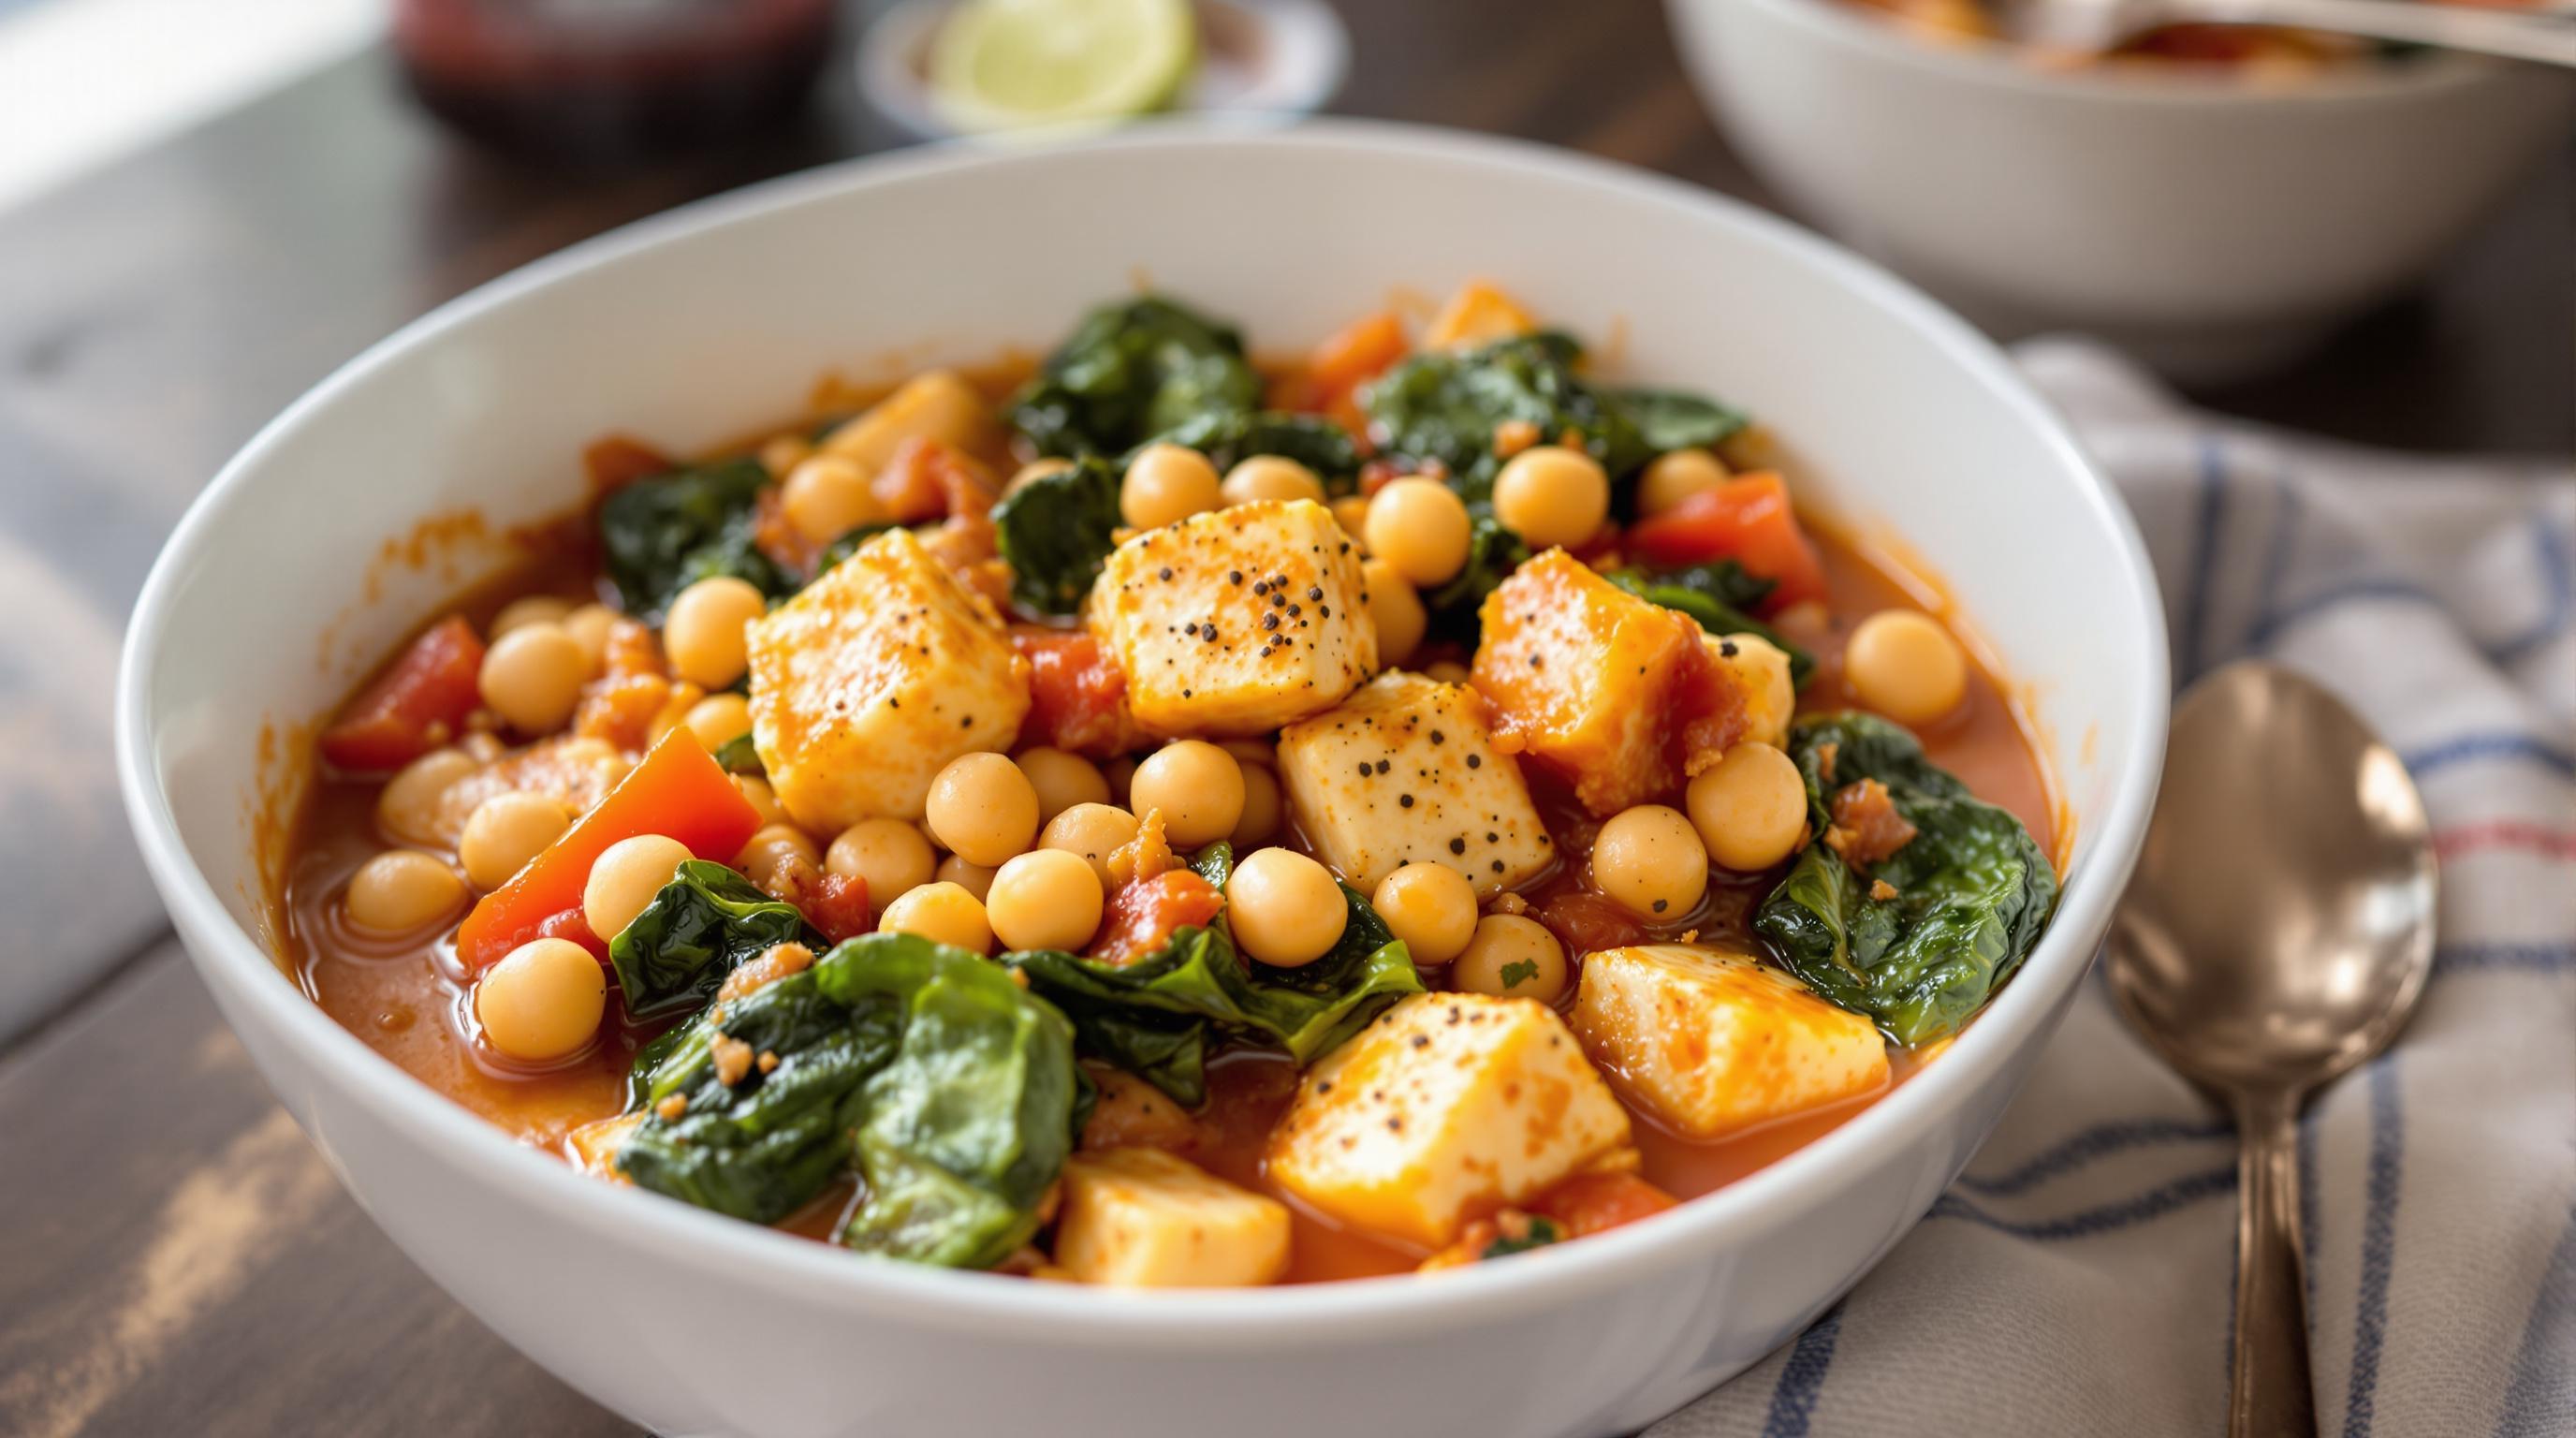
2545	33
2278	932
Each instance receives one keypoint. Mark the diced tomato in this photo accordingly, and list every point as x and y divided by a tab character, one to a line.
678	790
1593	1202
616	461
413	707
570	924
1747	519
1077	694
1587	923
838	905
924	479
1356	353
1143	916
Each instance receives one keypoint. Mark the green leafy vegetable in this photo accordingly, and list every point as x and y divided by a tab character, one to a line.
660	535
1130	372
1493	552
1445	406
740	756
1158	1017
1519	972
1668	419
1972	889
1717	596
951	1090
765	1146
1540	1233
1229	437
702	925
1055	532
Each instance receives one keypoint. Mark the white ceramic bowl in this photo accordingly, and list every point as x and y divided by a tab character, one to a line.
2212	225
689	327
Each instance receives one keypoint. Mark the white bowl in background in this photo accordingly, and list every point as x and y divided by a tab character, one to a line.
2211	225
687	328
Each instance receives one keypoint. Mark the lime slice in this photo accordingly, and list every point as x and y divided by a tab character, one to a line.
1009	64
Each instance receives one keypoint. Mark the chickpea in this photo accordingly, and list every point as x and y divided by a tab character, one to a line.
1285	908
1903	664
1045	899
401	890
983	807
719	719
1677	475
1650	861
827	496
624	879
703	633
1270	476
413	798
891	855
782	453
772	847
1511	957
1550	495
1420	528
1061	780
529	609
941	913
1092	831
1351	511
589	626
1447	671
1166	484
1197	785
1431	907
542	1001
1395	610
762	798
973	878
1263	807
532	676
505	832
1750	807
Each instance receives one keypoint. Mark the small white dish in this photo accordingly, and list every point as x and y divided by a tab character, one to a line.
282	587
1261	63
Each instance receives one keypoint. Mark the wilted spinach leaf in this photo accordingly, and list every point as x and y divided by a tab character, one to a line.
1159	1016
1445	405
1973	890
1129	372
1055	532
765	1146
1493	552
1720	596
1540	1233
660	535
1670	419
1229	437
706	922
740	756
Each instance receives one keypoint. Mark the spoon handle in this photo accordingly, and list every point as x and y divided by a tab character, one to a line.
2273	1396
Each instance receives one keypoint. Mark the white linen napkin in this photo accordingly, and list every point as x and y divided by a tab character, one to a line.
2078	1279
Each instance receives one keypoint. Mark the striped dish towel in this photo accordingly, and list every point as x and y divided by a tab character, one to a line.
2078	1279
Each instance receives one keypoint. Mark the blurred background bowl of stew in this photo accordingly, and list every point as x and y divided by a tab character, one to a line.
2211	220
283	585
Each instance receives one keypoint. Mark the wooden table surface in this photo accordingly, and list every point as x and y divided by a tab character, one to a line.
177	1259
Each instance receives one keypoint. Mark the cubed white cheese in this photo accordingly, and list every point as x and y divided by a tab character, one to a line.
866	684
1236	621
1143	1218
1403	772
1449	1106
1710	1041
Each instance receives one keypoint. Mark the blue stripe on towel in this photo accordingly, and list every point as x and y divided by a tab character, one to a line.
2499	744
2091	1222
2100	1141
1802	1378
2559	576
2204	558
2533	958
2540	1397
2387	1174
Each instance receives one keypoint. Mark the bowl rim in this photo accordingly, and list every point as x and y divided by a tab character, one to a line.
1062	1315
2163	87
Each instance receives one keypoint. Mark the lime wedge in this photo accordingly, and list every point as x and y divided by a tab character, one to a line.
1009	64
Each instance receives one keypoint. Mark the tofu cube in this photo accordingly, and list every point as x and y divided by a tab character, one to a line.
1236	621
1446	1108
1403	772
1710	1041
1620	696
1760	671
866	684
1143	1218
937	405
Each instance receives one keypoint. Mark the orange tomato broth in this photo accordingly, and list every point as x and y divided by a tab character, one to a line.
409	999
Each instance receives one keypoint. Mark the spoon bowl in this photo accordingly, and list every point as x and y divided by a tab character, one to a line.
2278	931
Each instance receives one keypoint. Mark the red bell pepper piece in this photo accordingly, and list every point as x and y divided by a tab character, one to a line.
1747	519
